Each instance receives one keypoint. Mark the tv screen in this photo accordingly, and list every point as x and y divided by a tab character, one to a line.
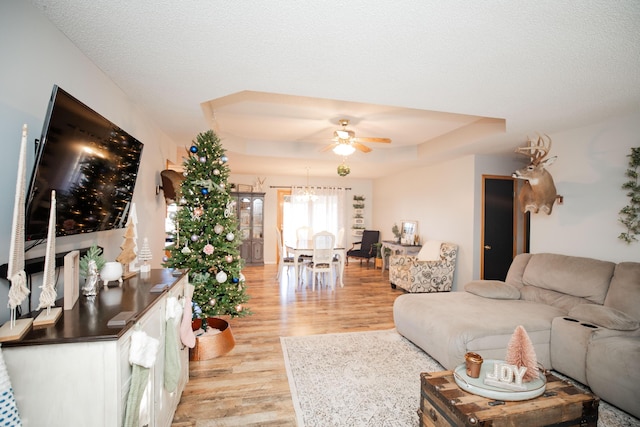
92	165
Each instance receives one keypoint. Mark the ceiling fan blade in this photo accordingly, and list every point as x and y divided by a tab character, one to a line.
369	139
360	147
330	147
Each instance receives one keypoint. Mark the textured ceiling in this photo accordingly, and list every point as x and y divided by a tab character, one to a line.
251	71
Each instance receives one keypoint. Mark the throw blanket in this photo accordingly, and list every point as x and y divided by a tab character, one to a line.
8	410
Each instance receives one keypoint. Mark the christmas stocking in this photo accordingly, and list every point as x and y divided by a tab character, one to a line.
187	336
142	357
172	345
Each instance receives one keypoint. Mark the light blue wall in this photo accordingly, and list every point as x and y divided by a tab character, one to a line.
35	56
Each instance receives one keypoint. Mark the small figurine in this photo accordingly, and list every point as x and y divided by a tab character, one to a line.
90	287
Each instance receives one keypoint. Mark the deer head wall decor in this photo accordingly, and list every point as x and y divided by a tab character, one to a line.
538	192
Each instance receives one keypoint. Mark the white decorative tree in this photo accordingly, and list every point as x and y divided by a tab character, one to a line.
133	220
145	256
48	294
18	291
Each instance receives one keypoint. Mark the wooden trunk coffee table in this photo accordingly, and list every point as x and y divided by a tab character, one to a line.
443	404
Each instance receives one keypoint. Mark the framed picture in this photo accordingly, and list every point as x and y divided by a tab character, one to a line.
358	221
409	232
244	188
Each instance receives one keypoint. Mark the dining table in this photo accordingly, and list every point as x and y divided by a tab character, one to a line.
305	248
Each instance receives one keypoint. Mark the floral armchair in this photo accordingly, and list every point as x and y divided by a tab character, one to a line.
416	274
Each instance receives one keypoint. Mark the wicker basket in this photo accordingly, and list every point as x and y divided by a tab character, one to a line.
212	346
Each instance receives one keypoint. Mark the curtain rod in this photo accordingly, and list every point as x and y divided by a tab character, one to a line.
302	186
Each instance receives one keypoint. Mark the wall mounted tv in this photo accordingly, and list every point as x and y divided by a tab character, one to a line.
92	165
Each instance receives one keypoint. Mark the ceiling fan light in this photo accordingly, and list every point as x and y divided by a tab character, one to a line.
344	149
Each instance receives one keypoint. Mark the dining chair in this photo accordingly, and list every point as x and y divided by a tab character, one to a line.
366	250
322	261
304	235
285	260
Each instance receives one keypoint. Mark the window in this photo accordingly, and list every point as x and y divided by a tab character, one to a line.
322	211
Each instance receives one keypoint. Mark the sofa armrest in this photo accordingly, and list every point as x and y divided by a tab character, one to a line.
606	317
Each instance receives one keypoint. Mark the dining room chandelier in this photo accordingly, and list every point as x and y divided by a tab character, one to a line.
308	193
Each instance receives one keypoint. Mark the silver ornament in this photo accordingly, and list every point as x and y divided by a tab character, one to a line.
221	277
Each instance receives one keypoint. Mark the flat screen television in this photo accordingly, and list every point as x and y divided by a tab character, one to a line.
92	165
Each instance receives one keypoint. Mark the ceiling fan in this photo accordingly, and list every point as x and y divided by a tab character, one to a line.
346	143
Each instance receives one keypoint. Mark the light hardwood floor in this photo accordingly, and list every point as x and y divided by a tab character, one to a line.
248	386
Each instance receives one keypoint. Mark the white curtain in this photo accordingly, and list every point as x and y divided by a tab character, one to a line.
321	208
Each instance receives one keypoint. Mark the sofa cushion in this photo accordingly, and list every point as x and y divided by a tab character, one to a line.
624	291
607	317
516	270
430	251
447	325
581	277
556	299
492	289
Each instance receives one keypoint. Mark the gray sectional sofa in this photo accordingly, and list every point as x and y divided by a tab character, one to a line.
582	315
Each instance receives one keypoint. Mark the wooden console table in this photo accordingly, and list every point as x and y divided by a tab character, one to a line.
397	249
77	372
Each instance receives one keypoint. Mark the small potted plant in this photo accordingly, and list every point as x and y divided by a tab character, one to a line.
396	232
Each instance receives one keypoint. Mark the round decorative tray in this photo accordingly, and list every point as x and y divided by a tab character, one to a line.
477	386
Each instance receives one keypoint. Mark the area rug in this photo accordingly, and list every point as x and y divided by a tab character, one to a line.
368	379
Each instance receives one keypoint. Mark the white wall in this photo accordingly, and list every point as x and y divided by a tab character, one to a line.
357	187
35	56
589	173
441	198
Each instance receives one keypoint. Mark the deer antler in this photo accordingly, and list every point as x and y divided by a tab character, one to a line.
537	150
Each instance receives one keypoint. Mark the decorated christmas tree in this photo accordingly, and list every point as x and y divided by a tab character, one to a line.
205	238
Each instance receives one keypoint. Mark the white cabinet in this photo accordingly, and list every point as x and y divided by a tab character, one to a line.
77	372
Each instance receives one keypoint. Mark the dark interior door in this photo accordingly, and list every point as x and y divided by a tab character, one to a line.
498	246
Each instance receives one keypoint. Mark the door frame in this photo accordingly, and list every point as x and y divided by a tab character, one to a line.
282	193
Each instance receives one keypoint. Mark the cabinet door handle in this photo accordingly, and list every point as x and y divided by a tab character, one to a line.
487	247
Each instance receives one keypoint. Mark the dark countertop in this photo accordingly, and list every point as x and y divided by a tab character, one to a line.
87	321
